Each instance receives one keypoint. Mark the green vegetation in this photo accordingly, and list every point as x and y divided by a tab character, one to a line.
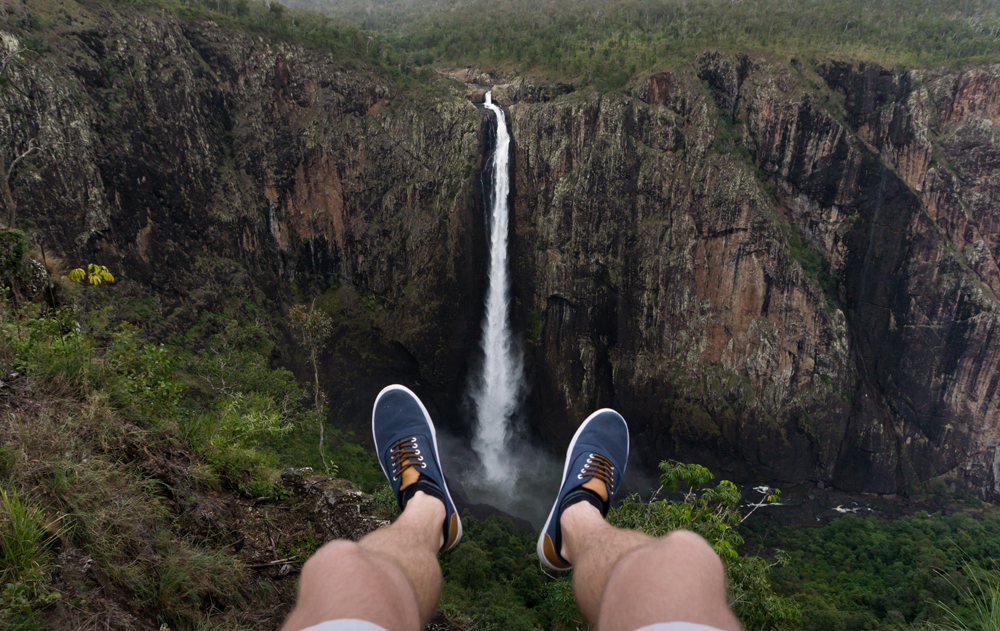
605	42
493	577
352	46
108	434
858	573
534	326
982	600
814	264
24	555
279	23
314	328
88	406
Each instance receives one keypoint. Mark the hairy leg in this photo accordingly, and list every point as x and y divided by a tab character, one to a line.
624	580
391	577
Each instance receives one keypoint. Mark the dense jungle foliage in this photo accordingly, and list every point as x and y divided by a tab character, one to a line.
865	573
605	42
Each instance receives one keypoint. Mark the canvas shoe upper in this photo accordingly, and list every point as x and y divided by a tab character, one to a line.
595	464
406	444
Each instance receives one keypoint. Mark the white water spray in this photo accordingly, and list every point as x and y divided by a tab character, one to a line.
496	392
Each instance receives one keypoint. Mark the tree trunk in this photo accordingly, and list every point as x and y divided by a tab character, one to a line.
8	198
319	410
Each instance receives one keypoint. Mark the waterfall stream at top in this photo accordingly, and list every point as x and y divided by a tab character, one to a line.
496	392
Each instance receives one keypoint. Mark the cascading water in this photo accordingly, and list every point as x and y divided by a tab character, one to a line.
495	393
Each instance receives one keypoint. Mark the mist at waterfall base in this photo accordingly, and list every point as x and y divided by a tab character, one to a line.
537	474
508	471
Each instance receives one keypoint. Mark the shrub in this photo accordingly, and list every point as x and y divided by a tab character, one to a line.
228	435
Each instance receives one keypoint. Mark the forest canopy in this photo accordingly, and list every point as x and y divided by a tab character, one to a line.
572	38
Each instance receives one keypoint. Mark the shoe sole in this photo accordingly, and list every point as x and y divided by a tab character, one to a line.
539	547
437	452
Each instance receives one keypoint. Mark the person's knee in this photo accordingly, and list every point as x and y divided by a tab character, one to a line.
677	577
680	559
686	547
343	580
335	556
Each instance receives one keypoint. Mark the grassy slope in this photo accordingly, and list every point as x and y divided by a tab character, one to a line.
131	473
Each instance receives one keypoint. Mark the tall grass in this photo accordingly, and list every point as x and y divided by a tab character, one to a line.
979	608
24	540
24	537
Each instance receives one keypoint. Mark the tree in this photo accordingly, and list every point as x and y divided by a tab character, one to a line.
314	329
94	274
7	171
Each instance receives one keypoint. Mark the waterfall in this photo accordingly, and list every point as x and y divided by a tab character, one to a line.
495	392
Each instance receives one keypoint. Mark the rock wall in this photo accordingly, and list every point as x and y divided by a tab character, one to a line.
787	272
660	273
207	167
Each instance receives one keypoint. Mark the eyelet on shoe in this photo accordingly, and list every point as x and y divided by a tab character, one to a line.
423	465
417	452
579	476
421	458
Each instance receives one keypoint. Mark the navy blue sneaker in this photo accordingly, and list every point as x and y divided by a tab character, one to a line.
595	464
407	450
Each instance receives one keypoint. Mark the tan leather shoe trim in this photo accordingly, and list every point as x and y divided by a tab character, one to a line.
410	476
597	486
452	531
549	549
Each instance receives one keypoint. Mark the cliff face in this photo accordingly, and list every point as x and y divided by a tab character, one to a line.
666	287
672	280
787	272
210	168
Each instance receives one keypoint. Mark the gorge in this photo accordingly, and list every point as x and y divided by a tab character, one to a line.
784	269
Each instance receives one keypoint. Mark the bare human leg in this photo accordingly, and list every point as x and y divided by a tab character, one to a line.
624	580
391	577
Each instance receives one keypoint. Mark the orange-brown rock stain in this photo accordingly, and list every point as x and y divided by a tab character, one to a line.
314	207
976	93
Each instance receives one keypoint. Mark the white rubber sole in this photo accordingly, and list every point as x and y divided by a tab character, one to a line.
539	547
437	452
